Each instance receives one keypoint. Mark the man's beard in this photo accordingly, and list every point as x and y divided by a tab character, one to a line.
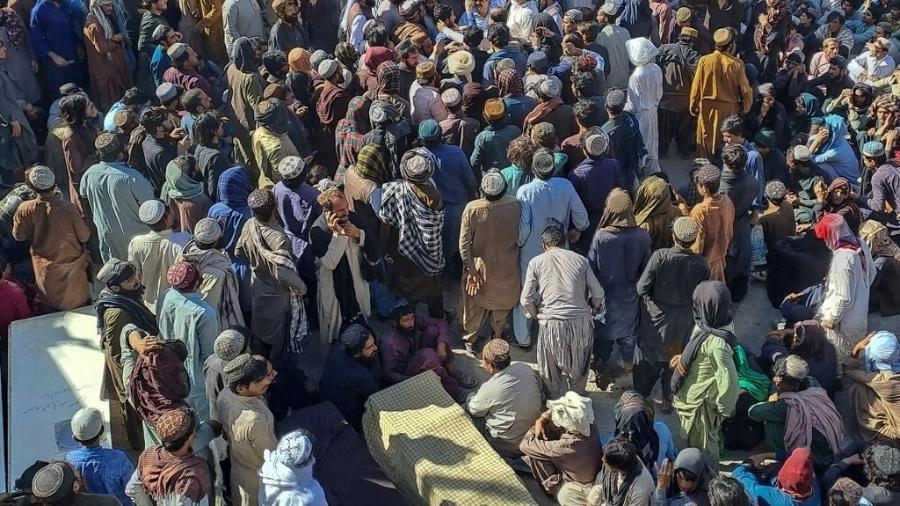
291	20
137	293
407	332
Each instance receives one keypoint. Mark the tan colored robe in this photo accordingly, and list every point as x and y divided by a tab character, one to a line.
57	234
250	428
876	400
720	89
715	219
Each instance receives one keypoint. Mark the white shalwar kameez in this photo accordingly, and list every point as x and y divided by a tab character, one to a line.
645	88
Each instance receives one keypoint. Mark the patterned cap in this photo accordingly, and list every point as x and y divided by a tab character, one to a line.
685	229
574	15
207	231
690	32
596	143
353	335
775	189
41	178
177	50
417	165
707	174
175	424
290	167
151	211
229	345
408	8
87	424
801	153
183	275
496	351
294	449
328	68
494	110
610	8
115	271
615	99
683	14
723	36
261	201
54	482
317	57
873	149
429	130
167	92
493	183
238	367
851	490
886	459
543	163
425	70
451	97
107	144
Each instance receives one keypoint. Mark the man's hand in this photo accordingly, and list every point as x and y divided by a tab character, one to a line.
828	324
35	67
350	230
16	128
540	431
574	235
853	460
442	351
793	199
664	474
57	60
473	284
676	365
860	346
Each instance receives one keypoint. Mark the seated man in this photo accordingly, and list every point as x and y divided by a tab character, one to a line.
415	344
349	377
563	446
874	374
800	398
795	483
622	476
506	405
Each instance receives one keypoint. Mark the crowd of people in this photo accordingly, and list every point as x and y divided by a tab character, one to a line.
237	185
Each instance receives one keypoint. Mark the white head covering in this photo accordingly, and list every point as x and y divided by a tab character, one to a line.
207	231
152	211
572	413
41	178
641	51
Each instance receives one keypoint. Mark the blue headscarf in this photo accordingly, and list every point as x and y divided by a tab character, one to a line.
882	353
837	132
232	210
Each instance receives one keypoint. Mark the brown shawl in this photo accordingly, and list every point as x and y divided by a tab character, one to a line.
159	382
332	105
165	475
876	400
541	111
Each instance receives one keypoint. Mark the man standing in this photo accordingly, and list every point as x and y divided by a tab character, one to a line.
58	236
156	251
488	248
561	292
248	422
276	287
414	209
334	99
666	288
343	249
270	140
183	71
184	316
298	210
543	200
424	95
174	458
678	62
625	140
119	304
159	147
219	283
508	403
453	178
720	89
242	18
114	192
288	32
593	179
645	89
103	470
613	37
742	189
715	221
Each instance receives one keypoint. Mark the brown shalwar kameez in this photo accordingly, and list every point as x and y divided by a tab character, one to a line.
715	221
57	234
106	60
720	89
487	246
570	457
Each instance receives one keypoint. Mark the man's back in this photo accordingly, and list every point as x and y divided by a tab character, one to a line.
560	281
509	401
720	77
153	254
103	471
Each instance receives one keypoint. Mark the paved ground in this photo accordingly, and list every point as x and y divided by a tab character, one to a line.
754	317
